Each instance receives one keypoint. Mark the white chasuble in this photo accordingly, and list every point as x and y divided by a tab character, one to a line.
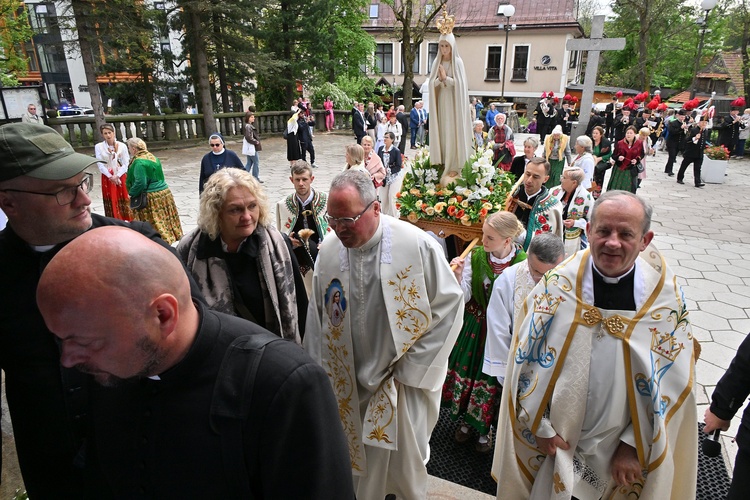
382	321
597	377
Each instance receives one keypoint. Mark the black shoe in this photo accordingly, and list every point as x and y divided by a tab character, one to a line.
671	174
680	181
700	185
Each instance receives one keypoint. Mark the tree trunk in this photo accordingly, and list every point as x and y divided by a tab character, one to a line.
84	18
201	64
743	51
408	84
221	70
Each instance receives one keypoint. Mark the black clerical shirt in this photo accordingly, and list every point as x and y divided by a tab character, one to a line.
617	295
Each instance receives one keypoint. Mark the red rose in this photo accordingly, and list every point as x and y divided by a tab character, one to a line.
546	228
542	219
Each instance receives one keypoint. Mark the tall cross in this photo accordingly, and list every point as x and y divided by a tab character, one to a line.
593	46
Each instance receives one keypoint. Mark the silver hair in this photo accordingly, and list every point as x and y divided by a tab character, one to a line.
532	141
359	180
585	142
576	174
478	122
505	117
648	210
547	247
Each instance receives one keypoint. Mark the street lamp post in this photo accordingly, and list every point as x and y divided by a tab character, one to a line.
706	5
507	11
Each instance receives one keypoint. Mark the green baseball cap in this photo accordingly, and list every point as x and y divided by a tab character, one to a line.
38	151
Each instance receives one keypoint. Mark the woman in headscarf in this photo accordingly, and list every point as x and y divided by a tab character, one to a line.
219	157
146	175
450	120
113	164
293	148
556	151
242	264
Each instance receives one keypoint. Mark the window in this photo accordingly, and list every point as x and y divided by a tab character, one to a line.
52	58
415	66
573	59
432	50
44	19
374	11
494	63
520	64
31	54
384	58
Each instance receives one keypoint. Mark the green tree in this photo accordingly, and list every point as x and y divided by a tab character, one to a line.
414	19
15	31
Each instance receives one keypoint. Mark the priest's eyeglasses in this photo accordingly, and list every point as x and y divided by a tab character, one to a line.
347	221
67	195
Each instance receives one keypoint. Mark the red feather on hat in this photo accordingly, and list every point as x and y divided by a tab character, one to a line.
567	97
689	105
550	94
544	95
557	100
628	102
575	99
738	103
653	104
618	94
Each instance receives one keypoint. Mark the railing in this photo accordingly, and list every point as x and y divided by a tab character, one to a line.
492	74
79	131
519	75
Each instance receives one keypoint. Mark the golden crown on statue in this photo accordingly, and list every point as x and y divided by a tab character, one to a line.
545	303
445	24
665	344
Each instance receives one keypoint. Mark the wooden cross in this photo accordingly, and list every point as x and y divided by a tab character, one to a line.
593	46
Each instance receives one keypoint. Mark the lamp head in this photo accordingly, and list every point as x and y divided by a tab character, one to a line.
708	4
508	10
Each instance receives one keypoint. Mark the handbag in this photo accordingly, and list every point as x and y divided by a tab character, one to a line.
139	202
639	167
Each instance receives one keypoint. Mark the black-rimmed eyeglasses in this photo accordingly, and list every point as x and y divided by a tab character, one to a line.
67	195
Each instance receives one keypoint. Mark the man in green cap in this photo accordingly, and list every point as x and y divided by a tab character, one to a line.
44	190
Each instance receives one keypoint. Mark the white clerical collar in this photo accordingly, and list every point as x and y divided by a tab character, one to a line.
308	200
42	248
609	280
219	153
375	239
530	196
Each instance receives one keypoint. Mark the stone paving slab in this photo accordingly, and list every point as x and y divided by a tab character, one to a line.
705	235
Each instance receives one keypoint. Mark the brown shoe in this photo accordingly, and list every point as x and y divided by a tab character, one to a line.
460	436
483	447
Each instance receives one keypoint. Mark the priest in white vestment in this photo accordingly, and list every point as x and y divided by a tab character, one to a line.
598	399
509	293
398	312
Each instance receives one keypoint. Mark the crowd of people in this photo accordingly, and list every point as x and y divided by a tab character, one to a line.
208	367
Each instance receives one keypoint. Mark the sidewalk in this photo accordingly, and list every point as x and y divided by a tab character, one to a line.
703	233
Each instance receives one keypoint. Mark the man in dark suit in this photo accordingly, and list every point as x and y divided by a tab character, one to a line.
677	129
623	120
609	117
359	125
417	118
403	119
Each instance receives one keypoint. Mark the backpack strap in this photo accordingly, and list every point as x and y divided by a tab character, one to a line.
231	403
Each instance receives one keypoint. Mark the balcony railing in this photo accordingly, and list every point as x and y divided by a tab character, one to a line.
492	74
520	75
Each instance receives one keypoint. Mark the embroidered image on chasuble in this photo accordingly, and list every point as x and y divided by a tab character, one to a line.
564	352
386	359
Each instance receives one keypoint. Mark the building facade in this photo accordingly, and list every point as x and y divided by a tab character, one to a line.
538	61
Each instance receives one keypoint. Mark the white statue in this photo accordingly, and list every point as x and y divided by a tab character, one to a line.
450	120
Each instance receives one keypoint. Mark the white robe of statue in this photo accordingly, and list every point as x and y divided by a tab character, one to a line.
450	120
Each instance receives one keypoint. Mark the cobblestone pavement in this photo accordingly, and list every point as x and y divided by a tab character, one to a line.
703	233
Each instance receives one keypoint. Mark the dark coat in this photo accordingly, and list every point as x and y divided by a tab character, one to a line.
695	149
732	391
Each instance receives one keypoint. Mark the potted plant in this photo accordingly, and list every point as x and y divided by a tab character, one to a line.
715	161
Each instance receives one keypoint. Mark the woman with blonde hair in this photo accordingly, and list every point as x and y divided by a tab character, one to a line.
372	162
556	152
470	394
113	164
242	264
145	175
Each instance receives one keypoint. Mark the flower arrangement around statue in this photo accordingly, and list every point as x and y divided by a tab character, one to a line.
717	152
480	190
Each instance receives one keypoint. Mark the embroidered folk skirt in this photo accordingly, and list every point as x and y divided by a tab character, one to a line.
555	172
115	198
467	390
161	213
623	180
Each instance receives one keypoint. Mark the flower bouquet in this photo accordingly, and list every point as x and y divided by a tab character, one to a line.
718	152
481	189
